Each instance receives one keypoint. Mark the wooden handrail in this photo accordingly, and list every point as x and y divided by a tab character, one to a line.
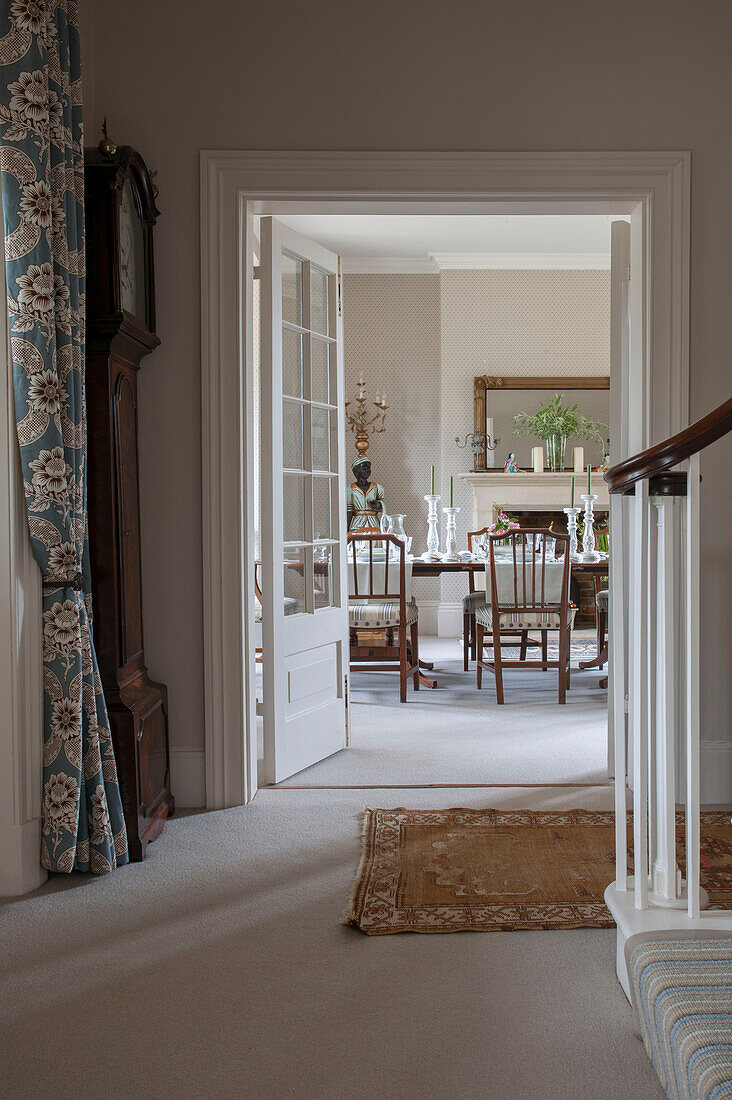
672	451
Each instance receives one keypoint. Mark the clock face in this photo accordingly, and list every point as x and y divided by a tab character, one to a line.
132	266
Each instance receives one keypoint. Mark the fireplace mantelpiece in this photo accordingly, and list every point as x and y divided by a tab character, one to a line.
529	491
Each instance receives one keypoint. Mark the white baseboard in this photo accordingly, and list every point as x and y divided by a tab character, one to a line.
450	620
188	778
715	772
428	616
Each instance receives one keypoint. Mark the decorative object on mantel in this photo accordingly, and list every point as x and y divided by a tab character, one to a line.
360	423
537	457
491	870
450	513
479	443
578	459
510	467
554	422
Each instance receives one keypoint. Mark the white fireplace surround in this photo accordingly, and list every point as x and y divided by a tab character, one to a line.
529	492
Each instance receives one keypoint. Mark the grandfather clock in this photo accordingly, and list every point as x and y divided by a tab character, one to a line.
120	214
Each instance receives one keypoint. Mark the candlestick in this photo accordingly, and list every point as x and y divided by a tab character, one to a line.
432	552
432	482
451	491
571	494
589	478
451	553
571	514
588	535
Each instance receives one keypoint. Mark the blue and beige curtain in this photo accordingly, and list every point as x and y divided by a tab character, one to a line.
42	166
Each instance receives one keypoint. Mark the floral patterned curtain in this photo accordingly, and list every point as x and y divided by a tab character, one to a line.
42	172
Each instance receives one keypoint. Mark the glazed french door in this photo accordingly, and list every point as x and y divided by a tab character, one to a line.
304	581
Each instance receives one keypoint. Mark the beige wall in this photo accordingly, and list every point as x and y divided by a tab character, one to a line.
175	77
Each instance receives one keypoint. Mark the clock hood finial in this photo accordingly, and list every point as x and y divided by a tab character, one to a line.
106	146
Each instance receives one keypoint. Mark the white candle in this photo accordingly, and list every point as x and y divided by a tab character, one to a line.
578	455
537	454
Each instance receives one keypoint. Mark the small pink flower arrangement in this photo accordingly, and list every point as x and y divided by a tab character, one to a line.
503	525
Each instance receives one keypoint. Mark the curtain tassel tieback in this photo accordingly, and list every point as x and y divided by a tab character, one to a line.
76	583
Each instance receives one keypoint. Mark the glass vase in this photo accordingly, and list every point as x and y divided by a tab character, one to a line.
556	445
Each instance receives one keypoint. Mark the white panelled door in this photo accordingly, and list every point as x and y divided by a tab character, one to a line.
305	590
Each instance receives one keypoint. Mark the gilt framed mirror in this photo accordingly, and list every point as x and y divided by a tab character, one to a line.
497	399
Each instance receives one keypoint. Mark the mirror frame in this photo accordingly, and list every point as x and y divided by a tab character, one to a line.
485	382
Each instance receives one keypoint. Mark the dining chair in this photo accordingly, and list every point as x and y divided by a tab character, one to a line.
475	598
527	592
380	602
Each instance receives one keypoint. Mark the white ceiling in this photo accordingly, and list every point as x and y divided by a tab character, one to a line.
423	242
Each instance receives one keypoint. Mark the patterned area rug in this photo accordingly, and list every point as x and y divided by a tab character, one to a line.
462	870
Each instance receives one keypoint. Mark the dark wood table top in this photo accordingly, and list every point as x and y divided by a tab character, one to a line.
422	568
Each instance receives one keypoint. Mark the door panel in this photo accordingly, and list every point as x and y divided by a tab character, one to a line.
305	609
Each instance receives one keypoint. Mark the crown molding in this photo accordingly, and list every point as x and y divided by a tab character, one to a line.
522	261
389	265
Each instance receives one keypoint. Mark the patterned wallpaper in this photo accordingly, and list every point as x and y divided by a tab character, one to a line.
425	337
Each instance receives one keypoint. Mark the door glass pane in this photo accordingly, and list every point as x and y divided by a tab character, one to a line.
322	509
295	573
320	371
292	456
318	301
324	567
324	440
291	363
293	507
291	289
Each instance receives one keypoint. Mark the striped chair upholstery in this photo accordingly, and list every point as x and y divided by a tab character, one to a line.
473	600
513	620
376	614
681	987
601	600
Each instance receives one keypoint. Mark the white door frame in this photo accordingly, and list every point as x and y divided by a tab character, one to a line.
654	187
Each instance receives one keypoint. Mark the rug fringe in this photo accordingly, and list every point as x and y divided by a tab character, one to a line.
348	917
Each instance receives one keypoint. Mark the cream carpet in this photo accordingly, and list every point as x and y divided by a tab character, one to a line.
457	734
219	968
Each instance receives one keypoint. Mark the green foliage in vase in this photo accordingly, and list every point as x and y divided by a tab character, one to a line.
554	418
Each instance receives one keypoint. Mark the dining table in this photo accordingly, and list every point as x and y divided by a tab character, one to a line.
422	568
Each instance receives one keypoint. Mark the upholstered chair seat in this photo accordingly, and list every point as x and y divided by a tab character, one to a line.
543	619
601	600
473	600
379	614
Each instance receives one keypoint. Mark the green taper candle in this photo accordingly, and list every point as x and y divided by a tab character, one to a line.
432	482
589	478
451	492
571	495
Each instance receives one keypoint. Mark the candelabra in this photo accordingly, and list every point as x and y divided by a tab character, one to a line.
589	553
571	514
451	553
432	552
359	421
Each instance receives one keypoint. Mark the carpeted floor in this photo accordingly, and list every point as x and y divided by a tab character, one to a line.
456	734
219	968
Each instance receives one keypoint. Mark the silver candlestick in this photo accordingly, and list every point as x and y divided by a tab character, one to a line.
432	552
571	514
450	536
589	553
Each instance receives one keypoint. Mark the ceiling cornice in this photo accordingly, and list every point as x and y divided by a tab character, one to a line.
482	261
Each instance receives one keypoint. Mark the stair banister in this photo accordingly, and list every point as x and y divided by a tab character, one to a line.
662	612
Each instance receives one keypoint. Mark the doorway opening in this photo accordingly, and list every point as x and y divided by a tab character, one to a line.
652	188
429	305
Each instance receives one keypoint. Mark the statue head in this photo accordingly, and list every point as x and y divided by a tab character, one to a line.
361	467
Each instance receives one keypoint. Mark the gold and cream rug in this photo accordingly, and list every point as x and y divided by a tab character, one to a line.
462	870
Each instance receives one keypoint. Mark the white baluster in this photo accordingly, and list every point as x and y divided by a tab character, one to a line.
666	876
692	688
639	691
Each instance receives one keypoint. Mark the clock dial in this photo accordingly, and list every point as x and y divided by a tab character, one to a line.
132	286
